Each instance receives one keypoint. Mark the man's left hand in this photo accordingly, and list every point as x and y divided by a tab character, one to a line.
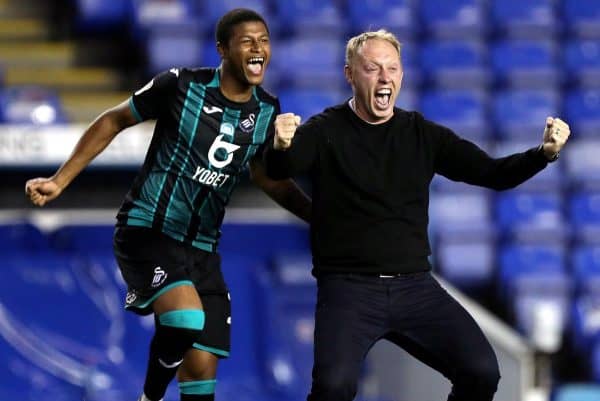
556	135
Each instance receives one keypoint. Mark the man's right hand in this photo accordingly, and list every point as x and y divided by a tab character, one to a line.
42	190
285	128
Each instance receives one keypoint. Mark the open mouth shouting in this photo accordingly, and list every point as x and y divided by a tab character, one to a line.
256	65
382	98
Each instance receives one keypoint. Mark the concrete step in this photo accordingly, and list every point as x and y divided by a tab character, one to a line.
18	29
71	78
32	54
84	107
23	8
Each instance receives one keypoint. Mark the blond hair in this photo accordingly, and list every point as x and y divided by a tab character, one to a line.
355	43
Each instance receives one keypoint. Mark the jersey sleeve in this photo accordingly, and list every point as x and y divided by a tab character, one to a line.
146	102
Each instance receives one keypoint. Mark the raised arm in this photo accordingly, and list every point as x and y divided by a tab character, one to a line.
93	141
461	160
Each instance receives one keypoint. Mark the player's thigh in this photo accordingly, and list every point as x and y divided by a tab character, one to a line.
198	365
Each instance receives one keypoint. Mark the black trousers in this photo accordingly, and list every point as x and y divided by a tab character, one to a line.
413	311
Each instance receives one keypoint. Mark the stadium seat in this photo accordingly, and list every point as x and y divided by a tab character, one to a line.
287	300
411	65
582	110
455	64
468	265
585	261
585	325
309	18
31	105
83	238
581	17
306	102
21	236
454	18
464	111
540	305
552	178
71	329
317	63
461	216
531	217
92	16
584	211
521	114
526	63
537	260
525	18
582	62
577	392
398	16
583	164
166	49
183	16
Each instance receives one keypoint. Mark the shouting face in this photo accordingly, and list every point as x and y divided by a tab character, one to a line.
247	53
375	74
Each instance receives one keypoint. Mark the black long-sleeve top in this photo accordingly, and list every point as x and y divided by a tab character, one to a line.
371	185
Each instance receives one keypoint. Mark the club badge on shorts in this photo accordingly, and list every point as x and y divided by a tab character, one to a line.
159	277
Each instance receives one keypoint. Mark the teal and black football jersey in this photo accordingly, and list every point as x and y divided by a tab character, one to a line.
202	143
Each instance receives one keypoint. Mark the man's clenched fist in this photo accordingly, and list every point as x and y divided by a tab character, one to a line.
285	128
556	135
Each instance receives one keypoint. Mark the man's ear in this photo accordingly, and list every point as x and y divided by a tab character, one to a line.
348	73
221	50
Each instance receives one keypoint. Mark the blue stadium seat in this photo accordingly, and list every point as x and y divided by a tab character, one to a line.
582	62
582	109
584	210
454	18
536	260
577	392
83	238
287	299
314	18
167	49
306	102
521	114
31	105
468	265
411	65
540	305
69	322
581	17
20	236
526	63
549	179
464	111
408	99
531	217
455	64
461	216
585	261
317	63
583	164
101	16
525	18
585	325
183	16
398	16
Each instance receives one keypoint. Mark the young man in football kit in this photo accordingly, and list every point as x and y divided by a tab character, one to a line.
211	124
